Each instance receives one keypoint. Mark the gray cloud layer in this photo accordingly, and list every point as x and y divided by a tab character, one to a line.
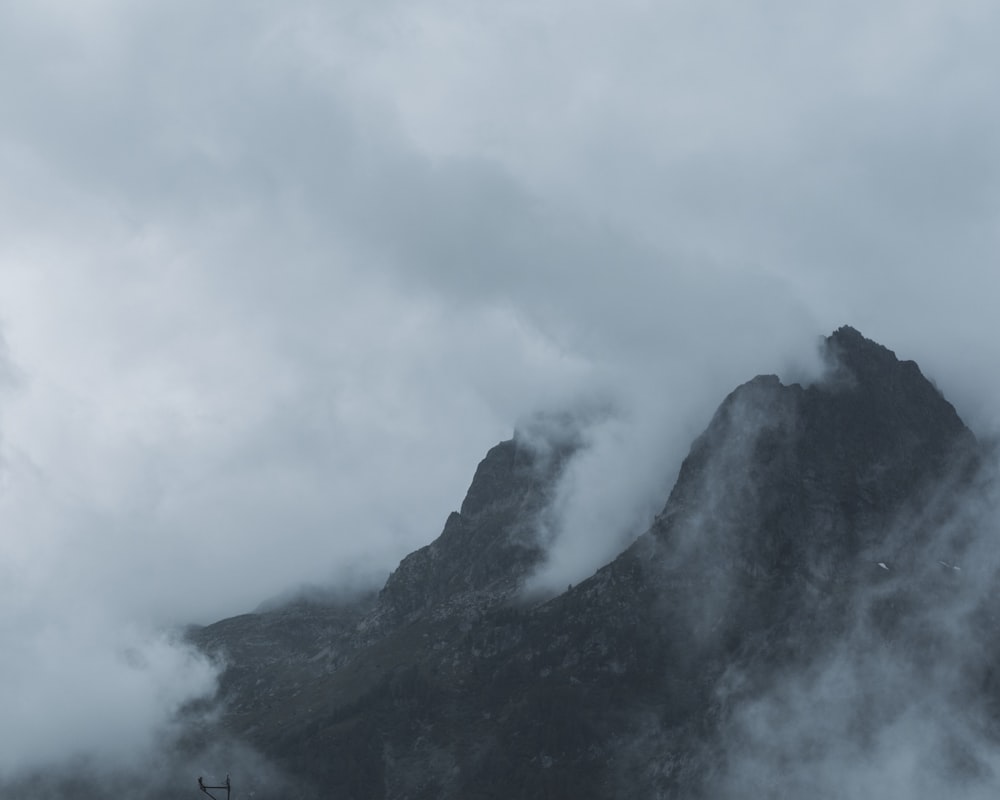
273	279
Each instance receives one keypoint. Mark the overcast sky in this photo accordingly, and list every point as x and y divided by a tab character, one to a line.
273	277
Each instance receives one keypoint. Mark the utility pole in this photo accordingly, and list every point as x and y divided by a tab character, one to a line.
205	789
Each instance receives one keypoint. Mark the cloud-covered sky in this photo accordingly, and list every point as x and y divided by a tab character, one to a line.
273	277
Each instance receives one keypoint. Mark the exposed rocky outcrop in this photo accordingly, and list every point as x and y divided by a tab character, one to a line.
487	549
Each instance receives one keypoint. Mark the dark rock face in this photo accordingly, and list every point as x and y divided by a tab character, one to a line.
799	481
802	523
487	549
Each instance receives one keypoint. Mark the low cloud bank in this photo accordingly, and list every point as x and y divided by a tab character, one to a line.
630	456
76	689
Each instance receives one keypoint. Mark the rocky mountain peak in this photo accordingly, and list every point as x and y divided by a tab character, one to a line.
488	547
884	390
800	485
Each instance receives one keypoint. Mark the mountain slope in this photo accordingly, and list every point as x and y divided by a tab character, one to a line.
803	521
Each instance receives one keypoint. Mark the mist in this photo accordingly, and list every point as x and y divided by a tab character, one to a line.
895	706
272	280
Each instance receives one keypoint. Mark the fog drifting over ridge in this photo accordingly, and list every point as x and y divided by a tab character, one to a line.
273	280
898	705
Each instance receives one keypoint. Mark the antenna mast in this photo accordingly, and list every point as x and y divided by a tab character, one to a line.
204	788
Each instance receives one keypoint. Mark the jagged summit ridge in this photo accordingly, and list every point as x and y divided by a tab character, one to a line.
805	476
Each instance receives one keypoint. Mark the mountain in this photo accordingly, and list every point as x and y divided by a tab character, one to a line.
487	549
832	535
